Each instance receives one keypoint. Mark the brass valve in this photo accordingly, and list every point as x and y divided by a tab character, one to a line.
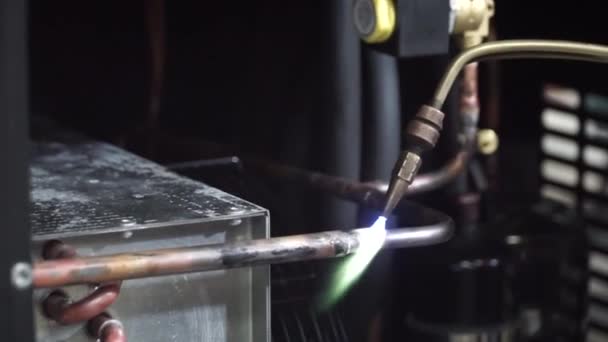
471	20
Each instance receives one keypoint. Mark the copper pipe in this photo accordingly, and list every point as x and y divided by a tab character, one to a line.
429	181
348	189
106	329
58	307
329	244
371	193
517	49
469	100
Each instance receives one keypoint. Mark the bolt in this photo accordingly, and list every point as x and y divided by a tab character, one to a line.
21	275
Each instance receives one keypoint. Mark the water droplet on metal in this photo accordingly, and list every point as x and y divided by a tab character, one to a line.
127	234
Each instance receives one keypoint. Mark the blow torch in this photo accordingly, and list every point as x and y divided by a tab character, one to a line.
422	132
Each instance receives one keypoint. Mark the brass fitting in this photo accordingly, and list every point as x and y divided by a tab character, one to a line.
374	19
423	131
422	134
471	20
410	164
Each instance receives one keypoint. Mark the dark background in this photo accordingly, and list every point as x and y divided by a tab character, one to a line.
254	73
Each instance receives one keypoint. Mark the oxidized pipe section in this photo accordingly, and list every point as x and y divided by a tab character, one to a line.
152	263
363	193
371	193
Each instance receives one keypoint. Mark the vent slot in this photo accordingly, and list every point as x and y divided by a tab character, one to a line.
573	171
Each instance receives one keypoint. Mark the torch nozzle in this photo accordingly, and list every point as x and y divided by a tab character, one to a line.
396	191
404	172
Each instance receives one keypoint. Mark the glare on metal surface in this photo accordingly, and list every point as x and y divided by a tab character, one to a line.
351	268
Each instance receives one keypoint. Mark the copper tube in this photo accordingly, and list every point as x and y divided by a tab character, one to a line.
107	329
329	244
363	193
517	49
469	98
113	333
429	181
57	305
371	194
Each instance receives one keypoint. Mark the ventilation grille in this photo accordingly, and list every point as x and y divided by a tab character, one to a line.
574	169
294	319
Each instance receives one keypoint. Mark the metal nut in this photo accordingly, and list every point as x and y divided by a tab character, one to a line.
409	167
432	115
424	130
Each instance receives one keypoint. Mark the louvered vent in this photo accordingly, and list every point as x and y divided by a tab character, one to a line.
574	169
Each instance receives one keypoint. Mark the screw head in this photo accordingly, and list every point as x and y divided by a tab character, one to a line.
21	275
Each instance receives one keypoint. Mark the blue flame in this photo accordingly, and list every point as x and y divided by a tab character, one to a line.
350	270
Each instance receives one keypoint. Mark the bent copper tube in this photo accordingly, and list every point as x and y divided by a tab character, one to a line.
57	305
107	329
329	244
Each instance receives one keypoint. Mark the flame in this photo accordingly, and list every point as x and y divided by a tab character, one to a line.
350	270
